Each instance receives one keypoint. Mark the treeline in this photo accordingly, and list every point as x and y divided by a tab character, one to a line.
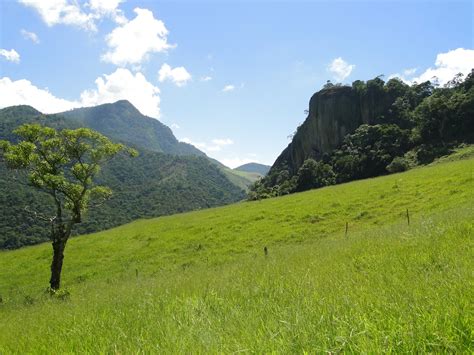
424	122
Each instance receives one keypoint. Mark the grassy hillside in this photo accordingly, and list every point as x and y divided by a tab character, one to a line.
199	281
257	168
242	179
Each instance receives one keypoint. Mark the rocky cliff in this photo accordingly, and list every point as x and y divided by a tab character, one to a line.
333	113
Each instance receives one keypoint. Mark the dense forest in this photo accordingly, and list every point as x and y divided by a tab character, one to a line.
152	184
402	126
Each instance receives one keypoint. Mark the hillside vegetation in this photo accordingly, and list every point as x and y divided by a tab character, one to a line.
200	282
370	129
151	185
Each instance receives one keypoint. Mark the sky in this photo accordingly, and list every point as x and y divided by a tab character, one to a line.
234	78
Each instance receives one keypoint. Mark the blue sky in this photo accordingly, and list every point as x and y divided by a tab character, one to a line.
233	78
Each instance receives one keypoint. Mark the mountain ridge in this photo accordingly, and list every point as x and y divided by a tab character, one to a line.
258	168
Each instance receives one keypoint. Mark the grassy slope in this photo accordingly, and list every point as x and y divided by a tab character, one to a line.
241	179
204	285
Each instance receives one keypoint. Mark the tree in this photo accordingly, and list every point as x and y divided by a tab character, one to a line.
368	151
313	174
62	164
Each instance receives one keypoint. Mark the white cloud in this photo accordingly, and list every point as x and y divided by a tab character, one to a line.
175	126
132	42
179	75
72	13
121	84
23	92
11	55
206	78
410	71
222	142
340	69
446	66
103	8
215	145
65	12
30	36
228	88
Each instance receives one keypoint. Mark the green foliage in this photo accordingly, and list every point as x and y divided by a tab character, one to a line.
448	114
411	125
398	165
122	122
369	150
314	174
153	184
204	285
62	164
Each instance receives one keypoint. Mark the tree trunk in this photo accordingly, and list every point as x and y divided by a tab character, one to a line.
57	264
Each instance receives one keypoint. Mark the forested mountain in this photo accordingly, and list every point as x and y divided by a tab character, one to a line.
369	129
150	185
254	168
121	121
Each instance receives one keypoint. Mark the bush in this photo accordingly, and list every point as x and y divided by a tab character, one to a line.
314	174
398	165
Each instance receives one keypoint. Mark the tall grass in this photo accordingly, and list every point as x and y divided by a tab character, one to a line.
204	284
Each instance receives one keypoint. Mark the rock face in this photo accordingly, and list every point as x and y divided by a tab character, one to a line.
333	113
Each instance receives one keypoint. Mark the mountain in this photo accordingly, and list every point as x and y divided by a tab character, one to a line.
369	129
254	168
121	121
334	112
153	184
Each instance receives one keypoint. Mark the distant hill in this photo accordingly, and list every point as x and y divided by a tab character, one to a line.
254	168
150	185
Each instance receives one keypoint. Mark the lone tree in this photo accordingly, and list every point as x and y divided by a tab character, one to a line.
62	164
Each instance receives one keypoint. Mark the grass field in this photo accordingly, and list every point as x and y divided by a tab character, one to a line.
199	282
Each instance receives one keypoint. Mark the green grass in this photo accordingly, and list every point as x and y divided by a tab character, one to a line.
199	282
242	179
460	153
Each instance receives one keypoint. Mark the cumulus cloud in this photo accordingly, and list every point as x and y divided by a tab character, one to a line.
215	145
228	88
64	12
222	142
30	36
132	42
70	12
11	55
104	8
179	75
446	66
121	84
206	78
23	92
340	68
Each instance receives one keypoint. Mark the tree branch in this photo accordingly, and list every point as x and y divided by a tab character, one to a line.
40	216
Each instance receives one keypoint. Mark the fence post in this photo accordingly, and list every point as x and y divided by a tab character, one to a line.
347	228
408	217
